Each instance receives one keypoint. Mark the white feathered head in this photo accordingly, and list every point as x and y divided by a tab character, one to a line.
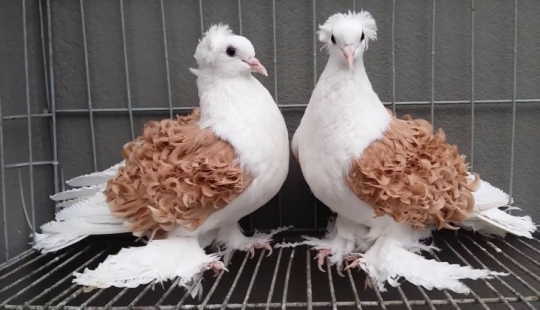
225	53
348	34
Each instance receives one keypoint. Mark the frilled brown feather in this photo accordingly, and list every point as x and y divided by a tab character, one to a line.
414	176
176	174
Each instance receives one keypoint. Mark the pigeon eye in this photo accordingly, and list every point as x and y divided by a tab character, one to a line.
362	38
333	39
231	51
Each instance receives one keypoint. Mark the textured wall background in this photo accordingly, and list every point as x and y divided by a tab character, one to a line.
493	57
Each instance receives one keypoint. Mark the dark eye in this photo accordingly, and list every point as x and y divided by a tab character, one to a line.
231	51
362	38
333	39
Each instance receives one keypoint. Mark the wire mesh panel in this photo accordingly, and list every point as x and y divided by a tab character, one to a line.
80	78
289	278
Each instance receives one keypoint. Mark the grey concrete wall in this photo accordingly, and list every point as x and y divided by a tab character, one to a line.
493	56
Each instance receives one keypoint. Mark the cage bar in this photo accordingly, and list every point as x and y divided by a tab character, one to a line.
514	106
201	16
250	287
126	68
309	289
283	107
331	285
487	283
354	290
520	279
235	282
240	16
287	277
88	90
65	262
433	64
314	7
274	277
471	161
389	300
166	52
29	124
275	50
393	56
3	182
52	91
504	283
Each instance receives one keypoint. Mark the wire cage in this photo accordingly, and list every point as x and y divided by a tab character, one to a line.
79	78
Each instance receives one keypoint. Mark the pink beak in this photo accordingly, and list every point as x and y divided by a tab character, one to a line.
348	51
256	66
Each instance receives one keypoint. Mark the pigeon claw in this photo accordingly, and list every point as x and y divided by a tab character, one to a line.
217	267
355	258
263	245
339	272
320	257
367	283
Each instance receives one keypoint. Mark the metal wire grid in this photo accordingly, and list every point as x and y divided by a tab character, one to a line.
53	113
288	278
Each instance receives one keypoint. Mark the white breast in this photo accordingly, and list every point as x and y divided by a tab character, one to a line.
342	119
244	114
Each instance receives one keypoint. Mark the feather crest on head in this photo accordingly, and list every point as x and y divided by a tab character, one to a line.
205	53
369	27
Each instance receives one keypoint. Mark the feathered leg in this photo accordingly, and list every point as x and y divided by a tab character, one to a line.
156	262
232	238
393	257
342	238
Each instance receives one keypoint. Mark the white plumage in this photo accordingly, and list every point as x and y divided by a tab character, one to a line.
238	109
343	118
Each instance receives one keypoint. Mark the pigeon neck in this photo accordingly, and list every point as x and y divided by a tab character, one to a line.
337	67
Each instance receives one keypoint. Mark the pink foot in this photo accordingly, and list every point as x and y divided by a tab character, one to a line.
264	245
217	266
320	257
355	258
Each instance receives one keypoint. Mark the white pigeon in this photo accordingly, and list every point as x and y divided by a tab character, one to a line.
390	181
184	183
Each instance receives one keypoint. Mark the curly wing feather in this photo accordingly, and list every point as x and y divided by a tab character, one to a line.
414	176
175	174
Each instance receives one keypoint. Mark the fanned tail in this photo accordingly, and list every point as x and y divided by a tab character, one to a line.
84	212
156	262
489	219
388	261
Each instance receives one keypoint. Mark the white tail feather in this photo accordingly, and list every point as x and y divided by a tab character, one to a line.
388	261
47	243
488	219
78	192
70	202
91	206
85	212
158	261
95	178
80	226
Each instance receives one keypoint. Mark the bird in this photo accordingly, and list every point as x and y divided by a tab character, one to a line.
186	182
390	181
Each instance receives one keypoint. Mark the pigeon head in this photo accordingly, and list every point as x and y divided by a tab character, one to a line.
225	53
346	36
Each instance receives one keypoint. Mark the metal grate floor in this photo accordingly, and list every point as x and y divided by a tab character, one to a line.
288	278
